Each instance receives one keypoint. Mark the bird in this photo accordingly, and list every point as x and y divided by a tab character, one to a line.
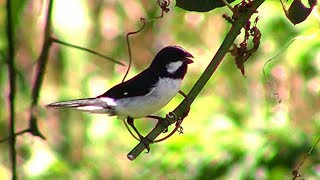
142	95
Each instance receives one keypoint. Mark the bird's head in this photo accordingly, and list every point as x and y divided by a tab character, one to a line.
172	59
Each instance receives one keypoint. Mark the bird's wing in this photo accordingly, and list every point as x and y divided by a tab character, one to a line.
139	85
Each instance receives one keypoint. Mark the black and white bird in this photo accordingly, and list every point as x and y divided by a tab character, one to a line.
142	95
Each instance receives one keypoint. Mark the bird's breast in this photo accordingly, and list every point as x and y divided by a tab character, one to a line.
157	98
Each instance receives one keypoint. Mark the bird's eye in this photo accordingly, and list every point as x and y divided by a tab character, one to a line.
125	93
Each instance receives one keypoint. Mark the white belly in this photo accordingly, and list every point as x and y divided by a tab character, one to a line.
159	96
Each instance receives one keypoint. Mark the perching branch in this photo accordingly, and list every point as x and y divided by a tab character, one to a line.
182	109
12	80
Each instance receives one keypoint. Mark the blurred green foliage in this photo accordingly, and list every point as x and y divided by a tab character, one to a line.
236	128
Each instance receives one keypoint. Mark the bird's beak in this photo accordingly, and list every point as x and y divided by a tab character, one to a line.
187	56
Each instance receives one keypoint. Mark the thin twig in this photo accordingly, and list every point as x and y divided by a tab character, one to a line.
129	49
12	80
274	92
227	4
129	67
310	37
295	172
163	4
40	71
85	49
15	134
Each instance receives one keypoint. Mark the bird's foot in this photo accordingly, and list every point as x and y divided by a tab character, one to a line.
144	140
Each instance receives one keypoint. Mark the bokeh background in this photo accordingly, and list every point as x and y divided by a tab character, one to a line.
236	129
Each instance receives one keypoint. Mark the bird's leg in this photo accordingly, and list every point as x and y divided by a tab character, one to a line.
144	140
183	94
161	120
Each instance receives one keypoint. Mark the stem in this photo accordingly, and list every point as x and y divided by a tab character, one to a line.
227	4
12	79
43	58
129	48
15	134
40	71
182	108
85	49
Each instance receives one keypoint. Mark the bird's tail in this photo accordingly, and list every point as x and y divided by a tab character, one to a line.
93	105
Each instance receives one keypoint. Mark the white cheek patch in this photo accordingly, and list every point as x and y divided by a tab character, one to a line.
109	101
173	67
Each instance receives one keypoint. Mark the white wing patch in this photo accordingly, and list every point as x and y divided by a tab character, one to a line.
173	67
109	101
92	109
99	107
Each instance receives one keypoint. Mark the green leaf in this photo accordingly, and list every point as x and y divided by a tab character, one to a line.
200	5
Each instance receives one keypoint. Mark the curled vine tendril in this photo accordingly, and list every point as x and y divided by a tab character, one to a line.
164	5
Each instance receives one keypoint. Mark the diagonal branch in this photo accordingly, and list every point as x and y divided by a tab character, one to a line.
182	109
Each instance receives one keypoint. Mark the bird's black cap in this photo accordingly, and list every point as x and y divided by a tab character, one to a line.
172	54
